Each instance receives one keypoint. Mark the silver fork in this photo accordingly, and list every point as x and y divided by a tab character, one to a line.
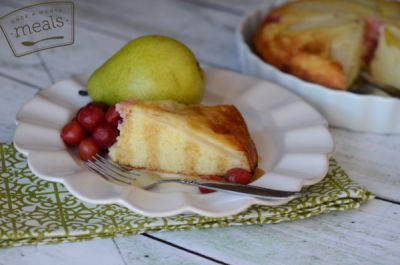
119	175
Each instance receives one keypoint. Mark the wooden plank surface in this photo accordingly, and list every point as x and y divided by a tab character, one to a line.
29	69
138	250
208	32
369	235
99	252
13	95
371	160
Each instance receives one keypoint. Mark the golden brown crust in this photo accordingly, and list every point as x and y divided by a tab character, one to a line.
323	41
305	55
221	126
227	120
318	69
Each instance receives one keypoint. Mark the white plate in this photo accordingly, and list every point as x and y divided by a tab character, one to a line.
369	113
292	139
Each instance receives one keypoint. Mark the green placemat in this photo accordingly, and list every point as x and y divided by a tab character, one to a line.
35	211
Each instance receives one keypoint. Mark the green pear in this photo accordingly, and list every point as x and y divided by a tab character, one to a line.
149	68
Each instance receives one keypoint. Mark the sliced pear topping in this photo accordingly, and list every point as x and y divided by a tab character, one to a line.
320	22
392	36
339	6
385	66
346	49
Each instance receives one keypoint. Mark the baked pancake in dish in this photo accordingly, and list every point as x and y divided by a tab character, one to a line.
330	42
170	137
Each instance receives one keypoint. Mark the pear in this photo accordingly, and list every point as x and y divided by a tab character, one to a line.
149	68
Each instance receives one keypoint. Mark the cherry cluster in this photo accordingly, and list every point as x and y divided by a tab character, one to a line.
93	129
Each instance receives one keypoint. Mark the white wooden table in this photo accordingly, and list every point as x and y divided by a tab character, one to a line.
368	235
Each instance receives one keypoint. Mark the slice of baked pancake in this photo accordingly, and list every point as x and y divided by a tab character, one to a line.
170	137
330	42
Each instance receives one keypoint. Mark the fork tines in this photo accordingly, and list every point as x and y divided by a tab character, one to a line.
110	171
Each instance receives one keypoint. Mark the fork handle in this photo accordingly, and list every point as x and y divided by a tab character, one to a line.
239	189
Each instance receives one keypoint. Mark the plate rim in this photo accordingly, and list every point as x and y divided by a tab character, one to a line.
120	199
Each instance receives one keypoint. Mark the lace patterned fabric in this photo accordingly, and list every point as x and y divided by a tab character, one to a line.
35	211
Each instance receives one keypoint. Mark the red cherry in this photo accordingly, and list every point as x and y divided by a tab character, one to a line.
112	116
105	135
210	177
238	175
101	105
88	148
90	117
372	32
72	133
273	18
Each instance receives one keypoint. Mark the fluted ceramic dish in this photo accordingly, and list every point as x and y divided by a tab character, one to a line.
292	139
373	112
